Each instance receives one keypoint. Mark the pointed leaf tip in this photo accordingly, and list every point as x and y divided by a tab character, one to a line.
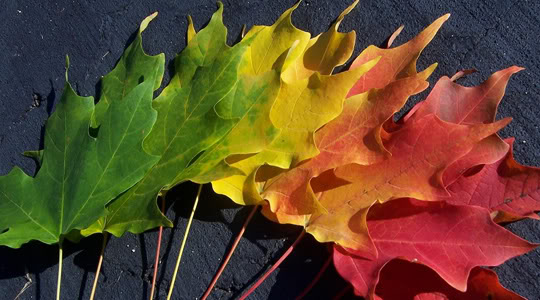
462	73
67	66
147	21
191	29
428	71
345	13
429	32
220	6
244	30
394	35
288	13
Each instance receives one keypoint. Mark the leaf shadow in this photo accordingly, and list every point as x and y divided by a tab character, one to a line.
217	208
87	260
38	257
144	263
260	228
51	97
301	267
182	197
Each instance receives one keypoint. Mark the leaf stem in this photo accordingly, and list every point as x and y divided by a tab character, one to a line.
156	263
171	288
316	279
229	255
100	262
275	266
60	258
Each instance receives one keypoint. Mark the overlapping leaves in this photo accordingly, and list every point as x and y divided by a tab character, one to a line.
374	177
309	97
268	122
203	103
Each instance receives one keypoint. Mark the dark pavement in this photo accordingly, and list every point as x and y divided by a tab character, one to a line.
36	36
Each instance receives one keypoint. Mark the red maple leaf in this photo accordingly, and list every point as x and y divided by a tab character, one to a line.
450	239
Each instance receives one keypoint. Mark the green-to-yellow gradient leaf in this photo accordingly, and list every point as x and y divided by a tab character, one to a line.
204	115
307	100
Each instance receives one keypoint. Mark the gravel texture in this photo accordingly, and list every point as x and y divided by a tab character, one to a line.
35	37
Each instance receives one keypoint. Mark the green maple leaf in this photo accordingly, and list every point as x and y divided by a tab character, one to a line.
81	173
133	66
204	115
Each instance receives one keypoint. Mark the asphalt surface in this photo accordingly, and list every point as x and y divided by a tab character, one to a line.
36	36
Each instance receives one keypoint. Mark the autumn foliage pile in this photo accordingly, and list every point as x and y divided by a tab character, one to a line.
413	207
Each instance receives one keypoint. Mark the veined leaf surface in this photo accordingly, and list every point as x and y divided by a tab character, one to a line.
457	104
309	98
81	173
505	187
203	116
450	239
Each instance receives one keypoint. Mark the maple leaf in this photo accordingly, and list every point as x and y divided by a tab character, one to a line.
292	198
421	283
277	46
474	105
80	173
354	137
435	234
126	75
290	195
395	63
323	52
197	114
309	97
421	151
457	104
504	186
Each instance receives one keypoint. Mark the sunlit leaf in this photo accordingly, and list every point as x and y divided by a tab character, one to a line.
80	173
